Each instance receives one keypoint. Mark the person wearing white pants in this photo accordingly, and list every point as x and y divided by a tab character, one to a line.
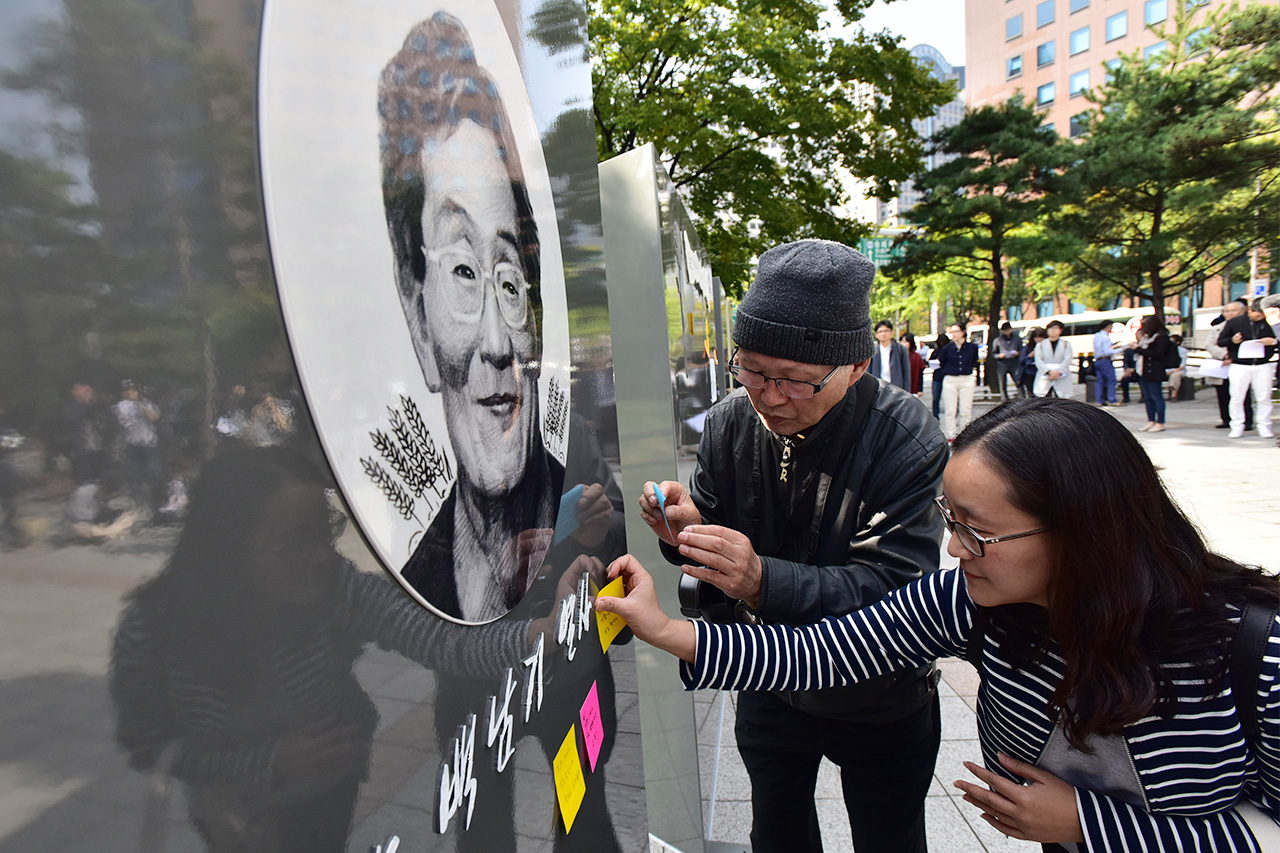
1251	344
956	361
1243	378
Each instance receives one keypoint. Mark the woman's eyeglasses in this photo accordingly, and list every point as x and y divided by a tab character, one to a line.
969	538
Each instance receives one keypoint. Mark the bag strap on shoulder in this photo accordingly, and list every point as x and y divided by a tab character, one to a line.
1246	664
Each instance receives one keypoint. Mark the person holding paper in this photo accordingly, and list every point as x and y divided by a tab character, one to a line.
1251	344
1053	363
812	497
1101	626
1221	386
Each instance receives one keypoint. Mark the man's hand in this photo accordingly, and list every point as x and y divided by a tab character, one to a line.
731	562
681	511
1268	342
1237	338
1042	810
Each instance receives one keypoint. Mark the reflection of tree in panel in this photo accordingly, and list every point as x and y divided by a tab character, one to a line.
421	468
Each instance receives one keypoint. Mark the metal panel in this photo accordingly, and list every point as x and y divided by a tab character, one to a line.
656	280
202	646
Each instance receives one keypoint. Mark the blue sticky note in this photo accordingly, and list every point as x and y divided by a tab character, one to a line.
567	519
662	508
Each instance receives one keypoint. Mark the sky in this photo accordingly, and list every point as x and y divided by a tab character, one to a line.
935	22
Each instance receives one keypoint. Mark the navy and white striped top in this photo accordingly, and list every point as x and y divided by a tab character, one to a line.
1192	765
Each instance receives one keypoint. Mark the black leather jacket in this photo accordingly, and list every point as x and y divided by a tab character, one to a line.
878	529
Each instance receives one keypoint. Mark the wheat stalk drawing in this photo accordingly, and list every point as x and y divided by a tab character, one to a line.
557	417
421	469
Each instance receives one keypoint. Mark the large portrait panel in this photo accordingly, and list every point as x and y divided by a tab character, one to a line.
417	255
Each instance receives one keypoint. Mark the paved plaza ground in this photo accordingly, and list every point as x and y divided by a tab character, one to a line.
1230	487
65	785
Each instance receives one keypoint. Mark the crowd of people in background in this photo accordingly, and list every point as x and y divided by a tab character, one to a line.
1040	366
126	459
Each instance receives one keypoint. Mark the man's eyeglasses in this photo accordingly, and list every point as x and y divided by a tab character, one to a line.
796	389
969	538
462	283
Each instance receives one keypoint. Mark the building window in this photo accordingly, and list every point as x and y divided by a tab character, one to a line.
1118	26
1014	69
1154	50
1155	11
1112	65
1044	14
1079	83
1195	4
1077	5
1077	125
1080	41
1198	41
1045	54
1044	95
1013	27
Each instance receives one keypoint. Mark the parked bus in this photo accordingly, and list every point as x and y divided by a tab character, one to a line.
1080	328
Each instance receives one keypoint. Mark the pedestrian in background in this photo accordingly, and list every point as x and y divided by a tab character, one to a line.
1175	375
1053	363
1253	372
916	362
956	362
890	362
1104	352
1153	351
1027	362
1222	387
941	342
1006	347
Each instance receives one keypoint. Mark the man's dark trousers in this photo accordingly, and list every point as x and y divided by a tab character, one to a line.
886	769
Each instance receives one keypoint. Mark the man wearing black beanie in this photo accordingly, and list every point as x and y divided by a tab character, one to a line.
814	496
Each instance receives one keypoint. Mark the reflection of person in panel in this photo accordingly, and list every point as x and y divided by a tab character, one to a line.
467	270
232	669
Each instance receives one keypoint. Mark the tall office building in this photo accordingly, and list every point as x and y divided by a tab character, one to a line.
893	213
1053	51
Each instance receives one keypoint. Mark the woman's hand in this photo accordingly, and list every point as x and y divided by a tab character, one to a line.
1053	374
1044	809
642	613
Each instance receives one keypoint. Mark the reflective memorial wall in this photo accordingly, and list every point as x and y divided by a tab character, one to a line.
667	372
309	462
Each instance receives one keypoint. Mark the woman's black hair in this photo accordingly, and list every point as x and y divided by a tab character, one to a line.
1131	581
204	606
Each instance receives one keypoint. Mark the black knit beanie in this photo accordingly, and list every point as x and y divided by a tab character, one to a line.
810	302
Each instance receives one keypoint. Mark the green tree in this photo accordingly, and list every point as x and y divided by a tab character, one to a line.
984	206
754	108
1179	167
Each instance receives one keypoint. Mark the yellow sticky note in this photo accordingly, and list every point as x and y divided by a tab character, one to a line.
570	784
610	624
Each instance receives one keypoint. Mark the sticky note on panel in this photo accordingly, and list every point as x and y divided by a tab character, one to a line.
570	784
610	624
592	725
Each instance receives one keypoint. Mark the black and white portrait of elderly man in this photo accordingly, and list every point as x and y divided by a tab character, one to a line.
467	270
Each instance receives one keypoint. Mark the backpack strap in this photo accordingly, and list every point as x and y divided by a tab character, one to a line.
973	651
1246	664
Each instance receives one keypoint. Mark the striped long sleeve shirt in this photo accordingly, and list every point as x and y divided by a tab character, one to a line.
226	740
1192	765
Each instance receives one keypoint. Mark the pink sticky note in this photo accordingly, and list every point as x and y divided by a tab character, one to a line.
592	726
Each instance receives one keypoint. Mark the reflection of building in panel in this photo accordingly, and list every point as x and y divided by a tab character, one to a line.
1053	51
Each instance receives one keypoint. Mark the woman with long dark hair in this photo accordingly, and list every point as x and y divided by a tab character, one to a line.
1101	625
1152	350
